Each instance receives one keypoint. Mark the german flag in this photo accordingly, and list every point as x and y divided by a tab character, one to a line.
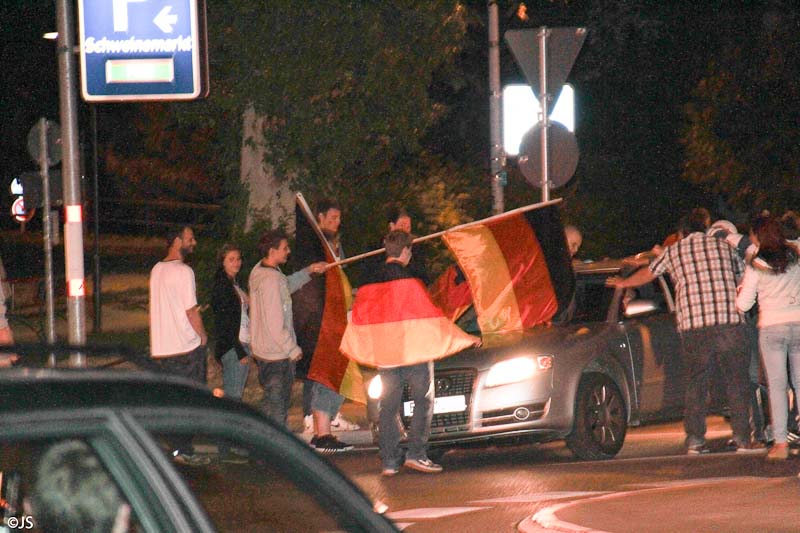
319	311
451	293
395	323
518	268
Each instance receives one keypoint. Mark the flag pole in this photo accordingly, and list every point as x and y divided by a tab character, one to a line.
301	201
460	227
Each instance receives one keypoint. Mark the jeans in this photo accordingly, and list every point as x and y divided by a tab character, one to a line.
779	343
308	387
324	399
727	344
190	365
234	373
276	377
420	380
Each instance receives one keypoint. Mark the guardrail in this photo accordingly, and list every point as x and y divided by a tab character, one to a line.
116	213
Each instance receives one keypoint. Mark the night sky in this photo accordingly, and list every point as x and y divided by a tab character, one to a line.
630	94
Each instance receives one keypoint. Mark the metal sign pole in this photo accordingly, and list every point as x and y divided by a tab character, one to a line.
495	144
543	101
73	210
50	326
98	304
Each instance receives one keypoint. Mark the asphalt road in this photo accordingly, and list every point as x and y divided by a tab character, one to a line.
650	486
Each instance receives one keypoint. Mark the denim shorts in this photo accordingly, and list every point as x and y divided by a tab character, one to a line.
325	400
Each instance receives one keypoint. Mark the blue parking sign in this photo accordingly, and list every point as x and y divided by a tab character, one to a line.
139	50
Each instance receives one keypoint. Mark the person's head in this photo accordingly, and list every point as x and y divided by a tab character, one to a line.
398	246
698	219
274	247
767	234
398	218
181	239
329	215
74	492
791	225
229	259
574	239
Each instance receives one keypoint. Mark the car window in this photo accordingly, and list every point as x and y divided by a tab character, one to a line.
59	485
243	489
592	299
650	292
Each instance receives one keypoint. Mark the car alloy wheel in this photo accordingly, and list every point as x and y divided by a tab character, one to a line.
600	419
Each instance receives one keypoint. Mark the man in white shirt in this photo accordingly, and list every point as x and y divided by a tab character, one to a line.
177	336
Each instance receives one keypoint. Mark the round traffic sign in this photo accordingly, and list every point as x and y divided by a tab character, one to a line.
53	135
19	212
562	155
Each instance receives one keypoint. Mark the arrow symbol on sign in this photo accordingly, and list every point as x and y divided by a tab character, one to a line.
164	20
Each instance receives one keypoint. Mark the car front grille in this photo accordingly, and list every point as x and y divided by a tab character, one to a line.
448	383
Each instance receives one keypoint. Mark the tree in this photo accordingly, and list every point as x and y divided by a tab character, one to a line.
343	86
741	136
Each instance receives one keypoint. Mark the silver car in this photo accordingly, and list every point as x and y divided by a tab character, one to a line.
614	363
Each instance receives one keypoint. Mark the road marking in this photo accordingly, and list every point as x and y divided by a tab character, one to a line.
546	517
431	512
689	482
540	496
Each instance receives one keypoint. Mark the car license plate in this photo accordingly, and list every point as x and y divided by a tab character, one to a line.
443	404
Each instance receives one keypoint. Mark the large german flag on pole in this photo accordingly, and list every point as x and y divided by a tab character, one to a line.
320	310
517	265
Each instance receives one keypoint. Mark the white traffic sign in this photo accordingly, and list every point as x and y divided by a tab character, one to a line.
139	50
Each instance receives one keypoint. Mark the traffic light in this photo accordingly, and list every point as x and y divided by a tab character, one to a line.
32	188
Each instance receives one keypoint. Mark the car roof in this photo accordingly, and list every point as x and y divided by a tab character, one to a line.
603	266
26	388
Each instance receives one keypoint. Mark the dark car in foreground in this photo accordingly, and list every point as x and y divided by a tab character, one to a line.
128	423
614	363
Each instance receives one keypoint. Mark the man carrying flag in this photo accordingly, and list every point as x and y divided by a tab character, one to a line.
396	327
320	318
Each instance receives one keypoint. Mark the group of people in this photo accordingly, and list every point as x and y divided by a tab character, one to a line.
719	276
259	324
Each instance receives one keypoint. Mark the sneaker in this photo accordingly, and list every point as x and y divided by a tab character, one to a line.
191	459
697	449
778	452
328	444
751	448
423	465
340	424
389	471
308	424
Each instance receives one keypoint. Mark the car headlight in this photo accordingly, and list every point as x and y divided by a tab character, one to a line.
375	389
517	369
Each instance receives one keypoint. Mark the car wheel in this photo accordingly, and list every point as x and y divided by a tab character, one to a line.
600	419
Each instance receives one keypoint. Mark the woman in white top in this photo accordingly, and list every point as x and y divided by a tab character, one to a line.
773	277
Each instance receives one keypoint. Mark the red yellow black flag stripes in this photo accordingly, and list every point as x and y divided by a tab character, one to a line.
518	268
450	292
395	323
320	310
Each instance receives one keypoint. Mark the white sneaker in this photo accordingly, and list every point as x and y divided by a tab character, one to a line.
340	424
308	424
